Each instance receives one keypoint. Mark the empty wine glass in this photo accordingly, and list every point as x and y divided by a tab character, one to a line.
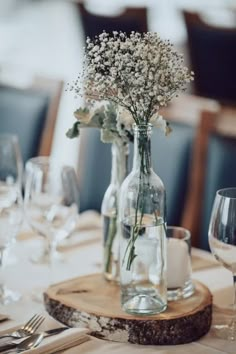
11	211
51	202
222	241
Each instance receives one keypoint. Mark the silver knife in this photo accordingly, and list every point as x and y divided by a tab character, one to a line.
50	332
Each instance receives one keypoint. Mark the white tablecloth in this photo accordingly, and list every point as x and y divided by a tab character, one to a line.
83	256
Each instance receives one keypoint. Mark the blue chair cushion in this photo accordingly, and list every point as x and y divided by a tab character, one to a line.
94	170
23	112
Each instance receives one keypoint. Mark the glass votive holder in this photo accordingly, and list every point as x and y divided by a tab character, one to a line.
179	270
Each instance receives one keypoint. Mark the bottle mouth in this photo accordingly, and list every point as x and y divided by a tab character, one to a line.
142	127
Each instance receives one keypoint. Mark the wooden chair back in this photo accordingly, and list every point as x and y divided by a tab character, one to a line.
213	167
174	165
131	19
212	54
53	88
30	113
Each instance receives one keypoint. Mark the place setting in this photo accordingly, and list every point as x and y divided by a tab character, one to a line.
40	333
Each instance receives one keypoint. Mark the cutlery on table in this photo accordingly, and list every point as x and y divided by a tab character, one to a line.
27	329
29	343
50	332
3	318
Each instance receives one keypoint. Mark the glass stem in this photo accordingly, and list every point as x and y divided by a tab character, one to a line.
1	280
50	250
234	304
1	256
232	326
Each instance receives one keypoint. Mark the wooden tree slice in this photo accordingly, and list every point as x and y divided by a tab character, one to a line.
92	302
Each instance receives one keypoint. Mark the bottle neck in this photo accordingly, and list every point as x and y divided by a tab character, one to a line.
120	153
142	148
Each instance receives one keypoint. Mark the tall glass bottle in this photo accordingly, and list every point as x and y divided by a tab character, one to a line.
110	211
142	215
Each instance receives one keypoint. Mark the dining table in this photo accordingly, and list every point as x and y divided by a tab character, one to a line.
81	254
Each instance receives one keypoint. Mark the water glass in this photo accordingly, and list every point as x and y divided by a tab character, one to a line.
222	241
179	270
11	209
51	202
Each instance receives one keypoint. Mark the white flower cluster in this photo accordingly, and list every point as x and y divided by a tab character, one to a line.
140	72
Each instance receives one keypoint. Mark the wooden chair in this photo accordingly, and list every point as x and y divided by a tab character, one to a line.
53	88
213	167
172	155
132	19
94	170
212	52
30	113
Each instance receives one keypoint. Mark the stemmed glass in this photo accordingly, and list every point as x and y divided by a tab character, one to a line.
50	202
11	209
222	241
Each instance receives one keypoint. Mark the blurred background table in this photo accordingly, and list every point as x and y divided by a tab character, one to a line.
45	37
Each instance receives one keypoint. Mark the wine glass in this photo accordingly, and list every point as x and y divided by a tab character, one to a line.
11	209
50	203
222	241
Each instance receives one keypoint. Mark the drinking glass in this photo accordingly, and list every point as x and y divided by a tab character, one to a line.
11	211
51	202
179	270
222	241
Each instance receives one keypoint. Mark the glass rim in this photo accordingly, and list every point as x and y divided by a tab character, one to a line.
224	191
9	135
187	233
49	161
39	160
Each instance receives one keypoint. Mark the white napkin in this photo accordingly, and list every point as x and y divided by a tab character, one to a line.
65	340
80	239
3	317
87	231
88	221
54	344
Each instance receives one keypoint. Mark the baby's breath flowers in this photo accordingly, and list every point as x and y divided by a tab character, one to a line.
139	72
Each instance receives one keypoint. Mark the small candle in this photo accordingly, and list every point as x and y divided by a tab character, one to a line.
178	263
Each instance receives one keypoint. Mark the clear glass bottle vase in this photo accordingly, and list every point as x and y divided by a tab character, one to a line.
111	268
142	215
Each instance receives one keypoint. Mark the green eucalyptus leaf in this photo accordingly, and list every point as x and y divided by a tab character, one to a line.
74	131
107	136
97	119
82	114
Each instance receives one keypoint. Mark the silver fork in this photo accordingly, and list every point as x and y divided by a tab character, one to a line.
27	329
